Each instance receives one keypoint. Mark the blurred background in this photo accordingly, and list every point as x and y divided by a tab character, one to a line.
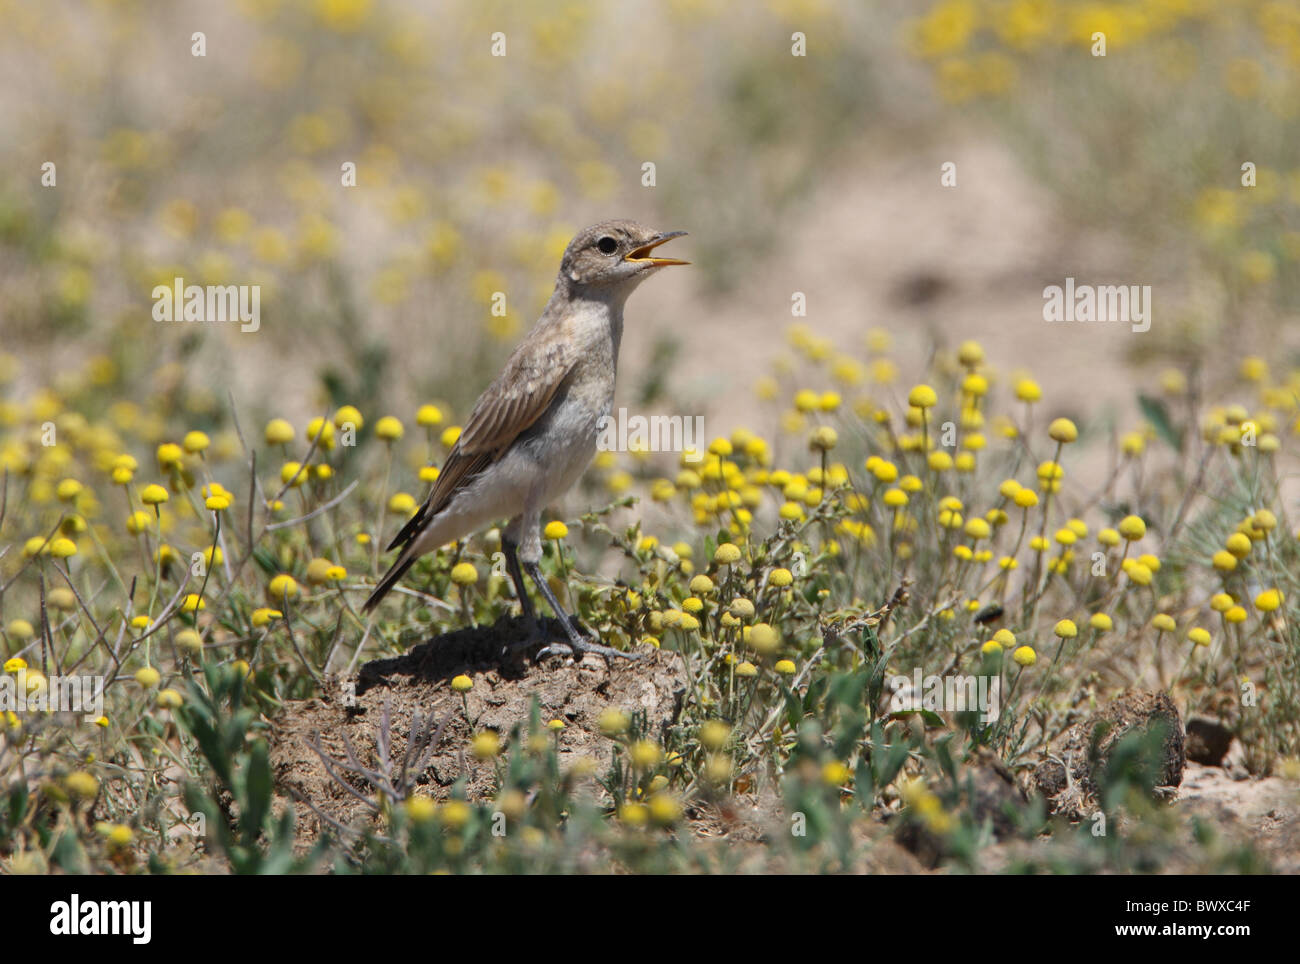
817	174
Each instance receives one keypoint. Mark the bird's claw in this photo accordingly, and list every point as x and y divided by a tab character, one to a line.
578	645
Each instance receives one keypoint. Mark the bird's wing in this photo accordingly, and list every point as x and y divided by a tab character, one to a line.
512	403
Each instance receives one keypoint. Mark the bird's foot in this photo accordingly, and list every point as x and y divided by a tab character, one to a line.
579	645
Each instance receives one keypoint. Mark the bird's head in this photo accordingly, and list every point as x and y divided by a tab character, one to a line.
614	253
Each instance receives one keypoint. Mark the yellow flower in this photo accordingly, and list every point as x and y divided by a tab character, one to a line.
646	754
1236	614
1063	430
883	470
346	415
401	503
154	495
320	432
1132	528
746	669
1221	602
263	616
1199	636
283	586
81	784
1027	390
450	436
1224	561
836	774
389	428
454	814
464	574
634	814
714	735
1101	622
148	677
278	432
555	530
1263	519
665	809
486	745
1025	656
922	396
120	835
785	666
970	353
741	608
428	416
21	630
1238	544
189	641
169	455
1268	600
1132	443
939	461
823	439
195	442
613	722
1163	622
293	474
726	554
701	585
420	810
169	699
762	638
462	683
1139	574
62	548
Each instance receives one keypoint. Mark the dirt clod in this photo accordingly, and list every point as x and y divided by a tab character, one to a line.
995	799
1207	741
416	688
1067	777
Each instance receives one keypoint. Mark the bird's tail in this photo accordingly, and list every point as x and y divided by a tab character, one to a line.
395	572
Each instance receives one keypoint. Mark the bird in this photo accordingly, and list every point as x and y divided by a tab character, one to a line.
534	429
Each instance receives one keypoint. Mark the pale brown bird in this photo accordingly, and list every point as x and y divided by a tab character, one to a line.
533	432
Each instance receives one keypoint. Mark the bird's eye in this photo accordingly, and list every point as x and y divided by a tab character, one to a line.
607	245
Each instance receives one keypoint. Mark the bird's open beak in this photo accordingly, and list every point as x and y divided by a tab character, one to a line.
641	255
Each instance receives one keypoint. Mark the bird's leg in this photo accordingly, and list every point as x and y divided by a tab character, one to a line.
578	643
517	577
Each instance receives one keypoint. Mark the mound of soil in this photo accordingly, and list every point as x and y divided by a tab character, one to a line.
1067	776
372	718
989	789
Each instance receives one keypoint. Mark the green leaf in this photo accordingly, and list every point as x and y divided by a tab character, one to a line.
257	789
1155	412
